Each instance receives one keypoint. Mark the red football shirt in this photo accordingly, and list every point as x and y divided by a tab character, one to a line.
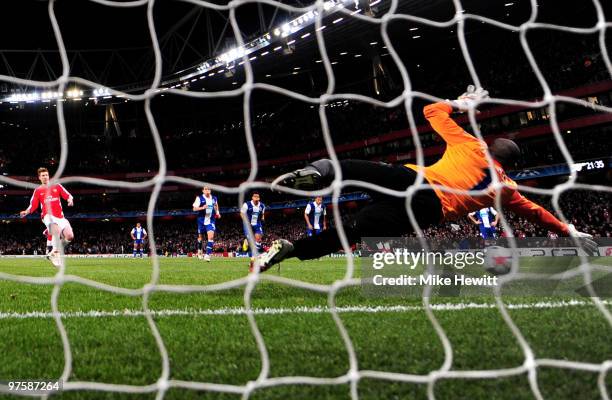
47	198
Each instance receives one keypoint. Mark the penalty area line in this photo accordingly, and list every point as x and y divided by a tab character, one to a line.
297	310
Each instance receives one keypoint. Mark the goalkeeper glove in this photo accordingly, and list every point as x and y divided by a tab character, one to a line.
590	246
574	232
471	95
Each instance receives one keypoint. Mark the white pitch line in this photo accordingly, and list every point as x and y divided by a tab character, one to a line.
296	310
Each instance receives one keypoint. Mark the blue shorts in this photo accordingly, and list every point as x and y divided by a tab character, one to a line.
257	230
310	232
488	233
138	241
203	228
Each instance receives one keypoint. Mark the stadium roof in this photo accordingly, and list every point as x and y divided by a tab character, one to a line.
112	45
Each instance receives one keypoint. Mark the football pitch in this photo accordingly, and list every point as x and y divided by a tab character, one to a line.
208	337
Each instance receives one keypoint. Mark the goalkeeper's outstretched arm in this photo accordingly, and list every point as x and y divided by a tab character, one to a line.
438	115
539	215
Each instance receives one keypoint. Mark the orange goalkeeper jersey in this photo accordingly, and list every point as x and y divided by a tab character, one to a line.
464	166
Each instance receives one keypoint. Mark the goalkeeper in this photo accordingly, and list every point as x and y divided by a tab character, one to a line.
463	166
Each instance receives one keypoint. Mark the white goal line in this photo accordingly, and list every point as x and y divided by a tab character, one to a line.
298	310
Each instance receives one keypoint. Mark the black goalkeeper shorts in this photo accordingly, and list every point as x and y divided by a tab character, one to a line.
387	215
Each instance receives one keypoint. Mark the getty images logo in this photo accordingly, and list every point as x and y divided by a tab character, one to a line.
386	256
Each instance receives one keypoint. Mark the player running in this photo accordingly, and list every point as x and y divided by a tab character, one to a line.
207	207
48	199
463	166
487	219
315	215
252	213
138	234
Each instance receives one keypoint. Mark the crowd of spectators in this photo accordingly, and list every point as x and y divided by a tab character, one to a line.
589	211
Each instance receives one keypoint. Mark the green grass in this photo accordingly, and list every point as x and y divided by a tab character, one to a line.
222	349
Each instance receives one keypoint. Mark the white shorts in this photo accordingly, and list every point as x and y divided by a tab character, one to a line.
60	222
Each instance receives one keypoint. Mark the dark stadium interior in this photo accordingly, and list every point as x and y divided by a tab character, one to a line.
204	139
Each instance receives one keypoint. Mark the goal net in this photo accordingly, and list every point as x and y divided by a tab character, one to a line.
315	15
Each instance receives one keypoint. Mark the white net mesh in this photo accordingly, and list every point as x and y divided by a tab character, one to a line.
354	374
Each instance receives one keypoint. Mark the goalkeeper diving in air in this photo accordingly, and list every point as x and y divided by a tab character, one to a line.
463	166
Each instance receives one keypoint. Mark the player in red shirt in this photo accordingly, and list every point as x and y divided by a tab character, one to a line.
48	200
